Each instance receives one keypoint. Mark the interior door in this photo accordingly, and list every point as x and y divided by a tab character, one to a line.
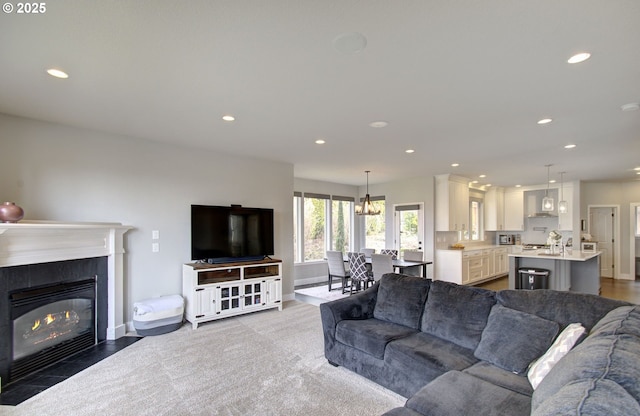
601	228
409	226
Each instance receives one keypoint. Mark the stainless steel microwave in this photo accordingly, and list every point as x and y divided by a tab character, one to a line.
506	239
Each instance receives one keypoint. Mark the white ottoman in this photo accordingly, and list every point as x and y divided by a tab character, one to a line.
158	315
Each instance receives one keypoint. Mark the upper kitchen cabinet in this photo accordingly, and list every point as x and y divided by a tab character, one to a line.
494	209
513	209
452	203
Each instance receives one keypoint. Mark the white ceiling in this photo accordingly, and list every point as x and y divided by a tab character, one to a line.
458	81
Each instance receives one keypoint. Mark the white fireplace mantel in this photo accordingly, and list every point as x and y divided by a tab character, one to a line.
33	242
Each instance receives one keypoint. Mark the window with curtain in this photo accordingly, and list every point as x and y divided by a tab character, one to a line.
341	220
321	222
315	226
476	216
375	226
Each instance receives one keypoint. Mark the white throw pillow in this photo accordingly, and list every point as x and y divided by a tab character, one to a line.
560	347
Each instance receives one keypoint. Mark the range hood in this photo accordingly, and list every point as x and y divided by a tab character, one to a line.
542	215
533	204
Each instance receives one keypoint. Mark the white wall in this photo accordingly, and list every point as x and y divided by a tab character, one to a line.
407	191
615	193
70	174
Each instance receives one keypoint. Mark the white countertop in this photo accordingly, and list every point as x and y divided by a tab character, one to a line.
573	255
471	247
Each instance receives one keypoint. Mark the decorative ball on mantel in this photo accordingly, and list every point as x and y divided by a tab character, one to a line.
10	212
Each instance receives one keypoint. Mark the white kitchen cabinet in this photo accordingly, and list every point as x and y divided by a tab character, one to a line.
513	209
501	261
452	204
494	209
471	266
214	291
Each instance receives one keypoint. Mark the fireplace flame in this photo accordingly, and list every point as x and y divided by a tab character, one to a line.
52	325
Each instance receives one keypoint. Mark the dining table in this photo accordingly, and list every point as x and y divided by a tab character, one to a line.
401	264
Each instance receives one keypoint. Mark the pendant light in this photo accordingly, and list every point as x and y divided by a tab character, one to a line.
367	207
547	201
563	206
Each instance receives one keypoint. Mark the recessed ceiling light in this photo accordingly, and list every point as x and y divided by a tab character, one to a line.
455	165
518	186
474	181
630	107
482	176
378	124
487	185
570	146
228	117
545	121
409	151
320	141
57	73
552	181
579	57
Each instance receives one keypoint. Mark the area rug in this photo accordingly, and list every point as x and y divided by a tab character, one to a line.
321	292
264	363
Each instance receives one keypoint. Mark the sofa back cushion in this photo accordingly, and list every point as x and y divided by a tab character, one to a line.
622	320
513	339
401	299
559	306
589	397
457	313
611	351
612	357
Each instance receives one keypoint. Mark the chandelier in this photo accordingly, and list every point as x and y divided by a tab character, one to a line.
367	208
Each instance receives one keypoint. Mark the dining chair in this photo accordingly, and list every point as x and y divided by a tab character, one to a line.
381	264
335	261
393	253
413	255
368	251
361	277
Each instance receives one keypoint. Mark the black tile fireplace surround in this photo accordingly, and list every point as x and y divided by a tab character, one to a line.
35	275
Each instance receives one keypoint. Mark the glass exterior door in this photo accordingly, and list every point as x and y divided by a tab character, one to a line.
409	227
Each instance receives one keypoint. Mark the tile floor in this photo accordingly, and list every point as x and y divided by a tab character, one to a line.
21	390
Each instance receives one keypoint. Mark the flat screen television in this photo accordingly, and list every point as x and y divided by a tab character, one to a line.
221	234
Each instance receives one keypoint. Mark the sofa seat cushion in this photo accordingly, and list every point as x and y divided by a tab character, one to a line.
589	397
401	299
622	320
499	377
370	335
457	313
559	306
513	339
430	354
611	357
456	393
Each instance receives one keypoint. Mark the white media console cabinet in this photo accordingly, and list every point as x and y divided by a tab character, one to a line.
214	291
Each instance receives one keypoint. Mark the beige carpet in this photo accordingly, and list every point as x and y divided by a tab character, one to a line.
265	363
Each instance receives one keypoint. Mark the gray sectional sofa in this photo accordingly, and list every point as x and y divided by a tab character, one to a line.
460	350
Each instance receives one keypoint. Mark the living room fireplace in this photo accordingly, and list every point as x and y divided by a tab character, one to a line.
45	254
53	310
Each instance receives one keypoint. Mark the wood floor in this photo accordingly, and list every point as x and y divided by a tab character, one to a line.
626	290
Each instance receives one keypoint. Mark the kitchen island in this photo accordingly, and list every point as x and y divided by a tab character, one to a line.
574	271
